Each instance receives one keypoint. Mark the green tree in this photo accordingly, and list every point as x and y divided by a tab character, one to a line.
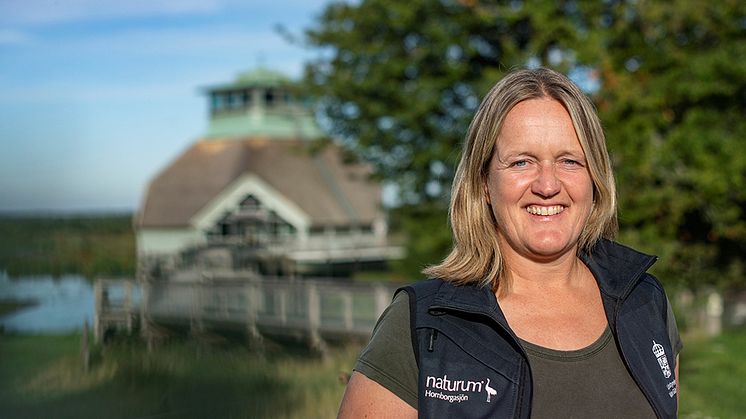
673	95
398	82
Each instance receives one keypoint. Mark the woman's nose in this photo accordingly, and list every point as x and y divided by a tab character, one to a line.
546	183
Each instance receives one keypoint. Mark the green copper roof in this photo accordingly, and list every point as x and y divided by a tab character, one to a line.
257	77
262	77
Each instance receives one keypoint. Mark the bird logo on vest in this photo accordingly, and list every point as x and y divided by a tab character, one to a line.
490	391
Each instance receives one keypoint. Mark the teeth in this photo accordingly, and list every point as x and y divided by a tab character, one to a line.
537	210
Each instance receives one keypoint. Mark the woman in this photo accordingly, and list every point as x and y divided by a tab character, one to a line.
535	312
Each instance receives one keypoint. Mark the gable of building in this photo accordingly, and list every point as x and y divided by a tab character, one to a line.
320	185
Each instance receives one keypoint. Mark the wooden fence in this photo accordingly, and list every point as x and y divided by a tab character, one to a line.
314	310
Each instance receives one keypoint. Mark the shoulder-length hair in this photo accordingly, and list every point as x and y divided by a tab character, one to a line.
476	256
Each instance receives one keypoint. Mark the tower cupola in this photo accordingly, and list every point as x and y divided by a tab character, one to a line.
259	103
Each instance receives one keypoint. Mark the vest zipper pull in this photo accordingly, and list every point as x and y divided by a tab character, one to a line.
433	336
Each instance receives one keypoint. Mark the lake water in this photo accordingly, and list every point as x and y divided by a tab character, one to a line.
62	304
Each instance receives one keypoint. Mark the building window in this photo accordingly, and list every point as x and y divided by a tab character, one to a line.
237	100
250	202
269	97
251	223
218	102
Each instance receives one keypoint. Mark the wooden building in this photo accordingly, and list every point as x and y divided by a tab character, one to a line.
263	192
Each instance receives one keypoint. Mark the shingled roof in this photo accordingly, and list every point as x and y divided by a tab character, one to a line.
321	184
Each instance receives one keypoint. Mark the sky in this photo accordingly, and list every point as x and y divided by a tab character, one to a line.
97	96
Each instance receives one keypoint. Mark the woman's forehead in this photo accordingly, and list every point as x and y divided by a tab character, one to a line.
536	124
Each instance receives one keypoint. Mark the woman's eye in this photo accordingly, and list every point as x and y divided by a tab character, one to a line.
520	163
570	162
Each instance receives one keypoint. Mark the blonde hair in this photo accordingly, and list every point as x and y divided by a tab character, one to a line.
475	256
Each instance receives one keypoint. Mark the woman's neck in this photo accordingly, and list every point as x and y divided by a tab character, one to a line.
527	275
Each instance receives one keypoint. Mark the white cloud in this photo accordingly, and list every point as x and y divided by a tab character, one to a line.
79	93
54	11
182	41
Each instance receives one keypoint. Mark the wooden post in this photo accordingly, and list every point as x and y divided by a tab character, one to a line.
85	354
314	319
98	327
128	312
283	294
146	329
196	324
256	341
347	309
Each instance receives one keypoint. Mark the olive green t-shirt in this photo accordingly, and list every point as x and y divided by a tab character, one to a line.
587	383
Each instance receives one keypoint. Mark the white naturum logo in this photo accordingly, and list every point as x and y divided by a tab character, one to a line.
456	388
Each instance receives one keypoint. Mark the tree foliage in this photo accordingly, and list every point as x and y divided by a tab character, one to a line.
399	81
59	245
673	94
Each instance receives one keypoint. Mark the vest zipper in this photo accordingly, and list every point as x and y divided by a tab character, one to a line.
521	389
433	337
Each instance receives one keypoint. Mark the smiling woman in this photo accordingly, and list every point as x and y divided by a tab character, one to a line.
535	305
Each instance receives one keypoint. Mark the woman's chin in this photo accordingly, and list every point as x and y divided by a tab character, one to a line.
550	249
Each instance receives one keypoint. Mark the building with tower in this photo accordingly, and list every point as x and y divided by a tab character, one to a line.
262	193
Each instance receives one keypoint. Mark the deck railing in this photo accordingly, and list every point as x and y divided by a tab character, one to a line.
313	309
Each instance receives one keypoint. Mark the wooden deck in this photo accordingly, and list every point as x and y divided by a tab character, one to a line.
309	310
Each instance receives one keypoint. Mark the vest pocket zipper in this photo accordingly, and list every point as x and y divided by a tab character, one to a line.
433	337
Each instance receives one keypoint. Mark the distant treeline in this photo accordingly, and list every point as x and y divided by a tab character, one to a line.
89	245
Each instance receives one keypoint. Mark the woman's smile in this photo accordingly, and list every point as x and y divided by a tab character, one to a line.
543	210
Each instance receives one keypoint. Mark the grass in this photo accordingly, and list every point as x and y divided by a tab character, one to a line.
712	376
42	376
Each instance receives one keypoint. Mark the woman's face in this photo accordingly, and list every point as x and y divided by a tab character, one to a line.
538	184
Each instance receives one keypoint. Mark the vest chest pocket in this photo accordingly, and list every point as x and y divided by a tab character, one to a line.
453	382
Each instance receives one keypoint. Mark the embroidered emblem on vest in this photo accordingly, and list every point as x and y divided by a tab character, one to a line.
660	353
456	391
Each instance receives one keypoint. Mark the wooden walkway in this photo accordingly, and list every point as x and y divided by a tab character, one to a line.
310	310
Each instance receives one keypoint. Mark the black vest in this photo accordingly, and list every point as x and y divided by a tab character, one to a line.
470	361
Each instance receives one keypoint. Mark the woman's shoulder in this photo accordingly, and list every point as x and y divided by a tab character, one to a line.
431	286
425	286
388	358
